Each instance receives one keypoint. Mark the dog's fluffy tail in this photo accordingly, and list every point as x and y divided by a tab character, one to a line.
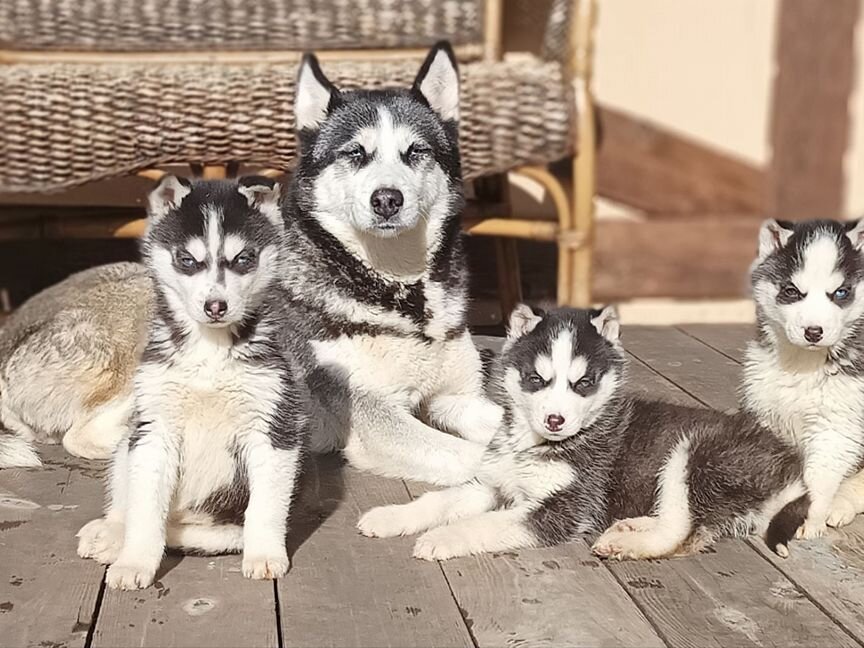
16	451
784	525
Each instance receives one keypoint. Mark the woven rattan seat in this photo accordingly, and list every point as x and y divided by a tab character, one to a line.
69	124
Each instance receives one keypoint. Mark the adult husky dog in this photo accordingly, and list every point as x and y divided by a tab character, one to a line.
376	260
804	374
574	453
375	265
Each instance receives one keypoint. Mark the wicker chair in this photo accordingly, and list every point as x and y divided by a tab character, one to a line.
93	89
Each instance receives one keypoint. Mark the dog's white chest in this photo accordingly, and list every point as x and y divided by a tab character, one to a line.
798	401
208	405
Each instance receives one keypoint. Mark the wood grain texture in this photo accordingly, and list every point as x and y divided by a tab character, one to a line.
729	339
702	372
47	593
195	601
559	596
653	169
728	596
348	590
810	124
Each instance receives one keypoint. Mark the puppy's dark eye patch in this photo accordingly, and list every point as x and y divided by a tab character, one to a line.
789	294
186	263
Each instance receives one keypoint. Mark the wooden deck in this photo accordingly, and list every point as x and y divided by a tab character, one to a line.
346	590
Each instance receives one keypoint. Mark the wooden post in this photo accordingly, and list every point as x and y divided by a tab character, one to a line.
810	120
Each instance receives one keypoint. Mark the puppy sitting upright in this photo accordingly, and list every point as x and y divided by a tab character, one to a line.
804	375
574	453
212	459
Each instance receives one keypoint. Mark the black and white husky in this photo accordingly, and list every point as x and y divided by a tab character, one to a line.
574	454
211	462
804	374
376	266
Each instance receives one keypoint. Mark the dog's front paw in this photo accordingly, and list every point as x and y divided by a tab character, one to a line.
266	566
811	529
442	543
842	512
101	540
130	574
386	522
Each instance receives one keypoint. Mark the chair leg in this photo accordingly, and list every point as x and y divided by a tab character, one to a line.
509	275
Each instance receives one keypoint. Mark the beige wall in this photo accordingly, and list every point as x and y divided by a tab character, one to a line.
705	68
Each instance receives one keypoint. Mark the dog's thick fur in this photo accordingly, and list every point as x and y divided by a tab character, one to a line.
575	454
220	405
383	294
384	291
804	374
67	357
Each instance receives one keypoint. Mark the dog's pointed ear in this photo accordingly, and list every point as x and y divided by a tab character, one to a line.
607	323
855	232
438	81
167	195
522	321
773	235
263	194
313	95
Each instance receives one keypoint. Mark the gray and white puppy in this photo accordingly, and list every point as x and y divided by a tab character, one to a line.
67	357
804	374
375	261
575	453
220	407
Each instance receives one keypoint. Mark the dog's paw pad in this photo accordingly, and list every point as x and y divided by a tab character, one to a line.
263	567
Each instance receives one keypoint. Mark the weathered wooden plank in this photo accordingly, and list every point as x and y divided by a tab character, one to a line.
729	339
47	594
728	596
699	370
195	601
347	590
645	166
709	259
810	123
559	596
644	382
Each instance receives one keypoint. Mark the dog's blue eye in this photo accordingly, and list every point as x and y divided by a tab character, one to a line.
186	260
840	294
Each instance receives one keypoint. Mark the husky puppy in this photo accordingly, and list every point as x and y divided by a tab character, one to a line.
376	264
66	362
574	454
220	407
804	374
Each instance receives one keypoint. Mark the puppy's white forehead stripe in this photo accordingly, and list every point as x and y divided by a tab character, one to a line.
543	367
819	269
195	247
213	231
578	367
234	245
562	355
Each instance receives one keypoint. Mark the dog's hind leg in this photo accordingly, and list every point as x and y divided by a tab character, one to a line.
385	439
427	511
98	435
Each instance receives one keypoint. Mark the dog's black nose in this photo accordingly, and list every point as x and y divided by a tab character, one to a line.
813	334
215	308
387	202
554	422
